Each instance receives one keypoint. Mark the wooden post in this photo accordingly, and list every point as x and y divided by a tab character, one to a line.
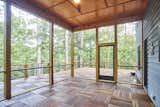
25	71
97	64
115	55
72	55
51	65
7	74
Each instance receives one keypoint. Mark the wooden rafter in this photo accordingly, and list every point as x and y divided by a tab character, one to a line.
78	21
106	3
54	5
112	21
124	8
96	9
76	7
120	4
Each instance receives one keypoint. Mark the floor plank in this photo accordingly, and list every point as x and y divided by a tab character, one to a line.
76	92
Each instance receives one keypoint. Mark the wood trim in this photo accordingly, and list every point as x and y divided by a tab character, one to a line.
120	4
113	21
76	7
106	44
7	74
54	5
72	55
51	65
97	58
124	8
115	55
106	3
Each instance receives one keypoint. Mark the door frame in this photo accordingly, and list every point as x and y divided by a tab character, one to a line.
101	77
115	54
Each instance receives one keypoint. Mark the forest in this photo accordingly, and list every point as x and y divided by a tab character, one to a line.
30	45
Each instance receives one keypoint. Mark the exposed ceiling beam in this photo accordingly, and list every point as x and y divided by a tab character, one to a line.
54	5
112	21
106	3
124	8
78	21
96	8
120	4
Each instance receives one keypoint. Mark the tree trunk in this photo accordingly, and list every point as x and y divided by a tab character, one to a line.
81	48
90	52
66	49
38	52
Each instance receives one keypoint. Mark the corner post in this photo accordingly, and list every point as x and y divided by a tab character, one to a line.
72	55
51	65
7	74
115	55
97	58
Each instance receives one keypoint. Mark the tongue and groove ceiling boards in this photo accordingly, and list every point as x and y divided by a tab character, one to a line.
93	13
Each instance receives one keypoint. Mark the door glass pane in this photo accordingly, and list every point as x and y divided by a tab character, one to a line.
106	62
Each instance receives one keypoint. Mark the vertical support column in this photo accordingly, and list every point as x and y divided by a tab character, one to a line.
97	58
7	74
51	71
25	71
72	55
115	55
142	56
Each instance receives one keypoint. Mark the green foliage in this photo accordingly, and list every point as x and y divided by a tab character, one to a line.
85	48
62	47
85	44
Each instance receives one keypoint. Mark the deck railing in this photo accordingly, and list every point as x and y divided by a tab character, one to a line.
27	70
132	67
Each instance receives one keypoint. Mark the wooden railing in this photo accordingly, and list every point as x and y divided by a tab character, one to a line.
29	70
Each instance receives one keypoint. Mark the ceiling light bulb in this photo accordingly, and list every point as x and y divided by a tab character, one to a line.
77	1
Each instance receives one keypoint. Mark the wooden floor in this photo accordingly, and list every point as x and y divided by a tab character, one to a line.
76	92
124	75
22	85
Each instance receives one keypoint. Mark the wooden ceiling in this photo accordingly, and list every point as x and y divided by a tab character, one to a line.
93	13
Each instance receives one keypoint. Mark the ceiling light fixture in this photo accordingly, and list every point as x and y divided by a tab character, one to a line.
77	1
